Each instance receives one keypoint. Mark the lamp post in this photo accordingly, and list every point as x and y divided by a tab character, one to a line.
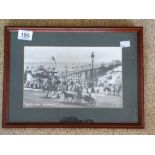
92	58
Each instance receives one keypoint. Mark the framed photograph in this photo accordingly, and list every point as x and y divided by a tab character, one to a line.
73	77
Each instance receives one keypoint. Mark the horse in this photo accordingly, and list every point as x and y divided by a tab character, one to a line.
108	89
68	95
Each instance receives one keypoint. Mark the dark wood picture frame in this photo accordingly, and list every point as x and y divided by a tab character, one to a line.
140	73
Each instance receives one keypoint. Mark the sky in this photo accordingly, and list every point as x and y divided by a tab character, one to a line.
71	54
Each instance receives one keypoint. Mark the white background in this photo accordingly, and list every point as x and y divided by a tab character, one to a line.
77	145
77	9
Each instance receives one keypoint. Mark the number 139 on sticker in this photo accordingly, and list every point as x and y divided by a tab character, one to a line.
25	35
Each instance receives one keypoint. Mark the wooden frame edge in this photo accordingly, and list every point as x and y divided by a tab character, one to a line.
140	60
6	74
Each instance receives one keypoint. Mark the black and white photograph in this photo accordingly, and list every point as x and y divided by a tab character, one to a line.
72	77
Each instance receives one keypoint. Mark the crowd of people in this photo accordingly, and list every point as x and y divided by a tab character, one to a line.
50	82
